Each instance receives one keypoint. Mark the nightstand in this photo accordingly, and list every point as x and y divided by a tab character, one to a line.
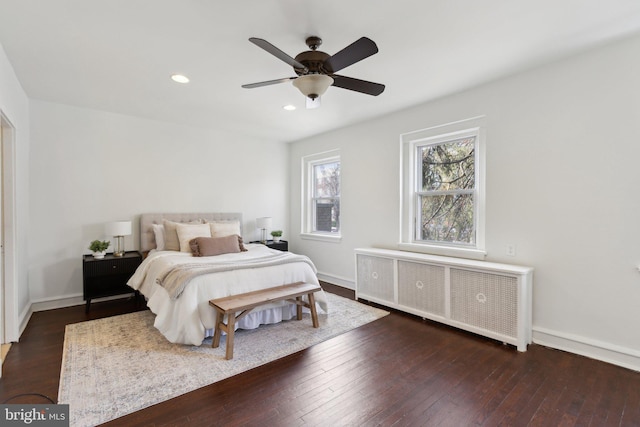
282	245
108	276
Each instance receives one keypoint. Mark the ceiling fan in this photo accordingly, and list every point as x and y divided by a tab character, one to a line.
316	69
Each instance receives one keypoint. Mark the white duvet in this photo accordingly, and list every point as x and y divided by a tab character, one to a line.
189	319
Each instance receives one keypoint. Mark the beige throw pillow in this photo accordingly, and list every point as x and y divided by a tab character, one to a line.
224	228
171	242
188	232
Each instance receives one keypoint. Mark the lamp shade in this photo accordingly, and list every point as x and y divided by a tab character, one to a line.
119	228
264	222
313	85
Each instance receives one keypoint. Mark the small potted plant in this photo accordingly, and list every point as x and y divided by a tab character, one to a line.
276	234
99	248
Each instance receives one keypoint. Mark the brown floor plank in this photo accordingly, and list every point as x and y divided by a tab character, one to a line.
631	411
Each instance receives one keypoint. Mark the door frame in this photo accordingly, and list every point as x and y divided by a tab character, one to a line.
9	324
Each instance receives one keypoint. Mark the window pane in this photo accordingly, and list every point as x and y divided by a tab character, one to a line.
327	179
447	218
448	166
327	215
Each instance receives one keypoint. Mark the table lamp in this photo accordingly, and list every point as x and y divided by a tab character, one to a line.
118	230
262	224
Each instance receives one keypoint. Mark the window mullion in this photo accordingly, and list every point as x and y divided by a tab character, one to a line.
445	192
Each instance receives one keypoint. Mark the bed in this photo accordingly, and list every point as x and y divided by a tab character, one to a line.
178	285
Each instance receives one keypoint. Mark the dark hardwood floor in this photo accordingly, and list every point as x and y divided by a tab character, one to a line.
397	371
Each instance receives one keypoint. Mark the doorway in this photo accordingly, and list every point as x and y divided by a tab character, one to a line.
8	285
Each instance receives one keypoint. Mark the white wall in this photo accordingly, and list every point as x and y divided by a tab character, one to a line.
14	105
90	167
562	185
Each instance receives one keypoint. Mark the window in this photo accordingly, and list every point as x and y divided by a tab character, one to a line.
321	208
443	194
445	187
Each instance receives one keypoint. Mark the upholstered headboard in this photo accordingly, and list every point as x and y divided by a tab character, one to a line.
147	238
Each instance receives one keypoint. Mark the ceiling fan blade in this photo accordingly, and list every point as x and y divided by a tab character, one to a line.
363	86
277	53
356	51
268	82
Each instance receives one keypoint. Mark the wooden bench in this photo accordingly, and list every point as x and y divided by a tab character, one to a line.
244	303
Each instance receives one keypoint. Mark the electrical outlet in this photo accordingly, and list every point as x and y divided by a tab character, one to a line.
511	249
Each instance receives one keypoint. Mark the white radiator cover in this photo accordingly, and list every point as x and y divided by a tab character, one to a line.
490	299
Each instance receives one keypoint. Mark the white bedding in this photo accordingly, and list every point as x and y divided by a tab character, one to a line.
189	319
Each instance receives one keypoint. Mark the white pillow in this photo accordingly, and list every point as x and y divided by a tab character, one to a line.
188	232
224	228
171	241
158	232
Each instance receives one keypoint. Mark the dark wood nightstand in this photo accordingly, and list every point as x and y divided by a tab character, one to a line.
108	276
282	245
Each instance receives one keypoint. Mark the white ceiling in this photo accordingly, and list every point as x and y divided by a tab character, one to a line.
117	55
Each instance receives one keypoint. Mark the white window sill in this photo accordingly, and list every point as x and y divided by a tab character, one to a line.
321	237
467	253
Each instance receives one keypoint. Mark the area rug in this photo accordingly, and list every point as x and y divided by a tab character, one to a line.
118	365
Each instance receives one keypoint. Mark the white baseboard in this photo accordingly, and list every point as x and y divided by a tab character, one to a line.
337	280
56	302
606	352
53	303
46	304
25	316
67	301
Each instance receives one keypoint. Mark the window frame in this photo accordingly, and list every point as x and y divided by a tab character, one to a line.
308	219
409	206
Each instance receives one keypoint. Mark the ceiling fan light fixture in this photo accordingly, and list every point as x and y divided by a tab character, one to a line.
313	85
312	103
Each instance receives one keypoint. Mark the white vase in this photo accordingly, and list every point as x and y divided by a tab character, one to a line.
276	239
99	255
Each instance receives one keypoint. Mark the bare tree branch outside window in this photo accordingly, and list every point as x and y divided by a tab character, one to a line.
446	192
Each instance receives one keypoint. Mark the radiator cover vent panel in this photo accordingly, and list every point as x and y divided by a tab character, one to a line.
485	300
421	286
376	276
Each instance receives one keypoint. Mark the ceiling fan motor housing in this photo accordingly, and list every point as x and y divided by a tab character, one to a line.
314	60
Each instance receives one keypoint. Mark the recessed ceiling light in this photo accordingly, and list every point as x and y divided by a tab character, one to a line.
179	78
289	107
